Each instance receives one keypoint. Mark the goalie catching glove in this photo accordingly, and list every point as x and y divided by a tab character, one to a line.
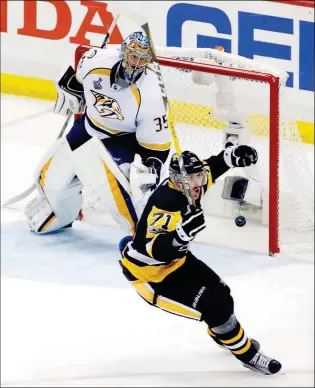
143	181
70	94
240	156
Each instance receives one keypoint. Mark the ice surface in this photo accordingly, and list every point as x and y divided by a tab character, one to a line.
69	317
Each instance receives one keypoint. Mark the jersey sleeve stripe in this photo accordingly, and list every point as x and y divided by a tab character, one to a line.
99	71
149	245
151	273
142	259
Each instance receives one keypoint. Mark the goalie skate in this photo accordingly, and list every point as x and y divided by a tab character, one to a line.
263	364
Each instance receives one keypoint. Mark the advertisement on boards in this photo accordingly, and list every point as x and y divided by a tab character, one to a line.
272	32
243	29
39	37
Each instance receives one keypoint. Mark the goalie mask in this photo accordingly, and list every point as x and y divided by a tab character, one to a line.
193	165
135	53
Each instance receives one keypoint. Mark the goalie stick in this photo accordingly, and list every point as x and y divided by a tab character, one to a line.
130	14
27	192
183	173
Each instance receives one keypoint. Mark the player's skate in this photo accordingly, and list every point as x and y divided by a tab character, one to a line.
263	364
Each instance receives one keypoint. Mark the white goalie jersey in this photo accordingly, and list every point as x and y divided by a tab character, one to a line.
113	108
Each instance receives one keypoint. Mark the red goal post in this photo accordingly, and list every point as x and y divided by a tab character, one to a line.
274	131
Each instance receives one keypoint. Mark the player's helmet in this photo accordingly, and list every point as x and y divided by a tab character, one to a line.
192	163
135	54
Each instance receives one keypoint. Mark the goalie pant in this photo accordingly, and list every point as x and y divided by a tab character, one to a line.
75	162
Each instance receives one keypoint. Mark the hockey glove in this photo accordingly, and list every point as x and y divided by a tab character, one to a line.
240	156
70	94
145	177
192	222
143	182
155	165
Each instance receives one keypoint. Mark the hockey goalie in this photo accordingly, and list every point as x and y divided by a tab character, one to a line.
115	150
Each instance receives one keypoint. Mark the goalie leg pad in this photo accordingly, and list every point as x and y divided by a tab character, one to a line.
43	219
105	184
59	201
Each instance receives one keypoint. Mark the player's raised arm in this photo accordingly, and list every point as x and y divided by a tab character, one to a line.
232	156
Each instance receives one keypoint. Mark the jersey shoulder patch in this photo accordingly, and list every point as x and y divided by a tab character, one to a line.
97	58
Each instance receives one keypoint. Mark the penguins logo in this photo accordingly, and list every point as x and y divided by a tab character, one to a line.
107	107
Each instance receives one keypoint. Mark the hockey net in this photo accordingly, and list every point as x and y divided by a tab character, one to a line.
253	94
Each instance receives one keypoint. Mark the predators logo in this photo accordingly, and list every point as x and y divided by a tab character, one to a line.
107	107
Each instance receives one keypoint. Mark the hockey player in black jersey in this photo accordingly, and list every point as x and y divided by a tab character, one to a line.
159	264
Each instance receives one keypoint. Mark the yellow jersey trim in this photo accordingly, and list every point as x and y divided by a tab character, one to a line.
99	71
157	147
98	124
152	273
136	93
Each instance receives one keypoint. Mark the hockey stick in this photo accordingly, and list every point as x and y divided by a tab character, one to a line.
116	7
183	172
27	192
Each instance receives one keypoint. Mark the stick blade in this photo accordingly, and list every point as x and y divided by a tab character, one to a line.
19	197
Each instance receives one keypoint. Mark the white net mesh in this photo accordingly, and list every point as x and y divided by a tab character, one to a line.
201	112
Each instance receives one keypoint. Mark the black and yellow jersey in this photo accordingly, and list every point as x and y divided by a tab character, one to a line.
151	255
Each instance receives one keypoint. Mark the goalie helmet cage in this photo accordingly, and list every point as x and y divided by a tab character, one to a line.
213	62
